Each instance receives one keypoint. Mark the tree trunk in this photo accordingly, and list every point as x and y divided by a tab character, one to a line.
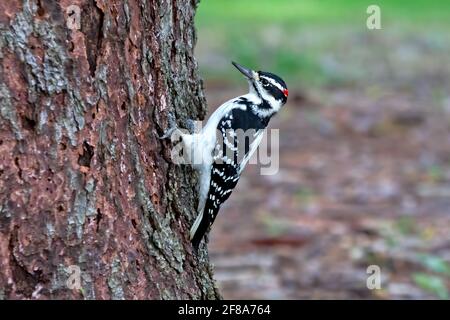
87	190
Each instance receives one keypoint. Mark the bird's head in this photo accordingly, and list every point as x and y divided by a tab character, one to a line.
270	88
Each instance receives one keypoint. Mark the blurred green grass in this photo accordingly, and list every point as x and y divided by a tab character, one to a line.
291	12
316	43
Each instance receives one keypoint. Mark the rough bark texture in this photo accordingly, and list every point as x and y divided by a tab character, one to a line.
84	180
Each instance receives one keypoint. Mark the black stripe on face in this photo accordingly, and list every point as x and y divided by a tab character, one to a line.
276	93
256	89
273	89
264	104
274	77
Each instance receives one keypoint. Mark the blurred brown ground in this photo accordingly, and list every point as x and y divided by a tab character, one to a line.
364	174
362	181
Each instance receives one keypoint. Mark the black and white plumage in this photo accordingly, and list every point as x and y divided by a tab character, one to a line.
227	142
239	134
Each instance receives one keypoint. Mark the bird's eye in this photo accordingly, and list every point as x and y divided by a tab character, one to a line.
264	82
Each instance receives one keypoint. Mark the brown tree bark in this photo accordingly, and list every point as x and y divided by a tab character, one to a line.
84	179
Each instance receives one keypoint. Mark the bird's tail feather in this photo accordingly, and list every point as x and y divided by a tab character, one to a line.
195	225
199	229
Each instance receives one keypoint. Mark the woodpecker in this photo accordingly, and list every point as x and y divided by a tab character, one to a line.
223	147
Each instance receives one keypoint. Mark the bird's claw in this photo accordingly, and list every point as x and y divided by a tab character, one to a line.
191	125
168	133
172	127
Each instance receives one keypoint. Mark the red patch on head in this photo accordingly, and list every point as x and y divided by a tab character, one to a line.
285	92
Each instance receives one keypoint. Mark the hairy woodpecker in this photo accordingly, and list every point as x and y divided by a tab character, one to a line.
221	150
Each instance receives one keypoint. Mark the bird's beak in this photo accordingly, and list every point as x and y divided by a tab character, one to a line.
249	73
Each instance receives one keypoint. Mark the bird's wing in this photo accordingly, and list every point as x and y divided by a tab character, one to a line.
236	143
253	146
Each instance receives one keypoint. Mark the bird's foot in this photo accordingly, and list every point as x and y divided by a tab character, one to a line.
168	133
192	126
172	127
